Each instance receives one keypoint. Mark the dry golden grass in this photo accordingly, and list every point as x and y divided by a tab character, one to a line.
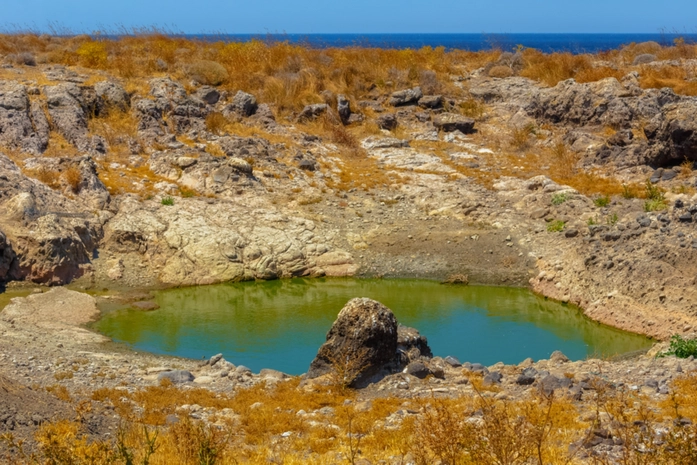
73	177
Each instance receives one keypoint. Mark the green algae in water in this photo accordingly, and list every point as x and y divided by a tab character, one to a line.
281	324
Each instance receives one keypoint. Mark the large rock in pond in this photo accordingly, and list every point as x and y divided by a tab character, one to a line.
365	341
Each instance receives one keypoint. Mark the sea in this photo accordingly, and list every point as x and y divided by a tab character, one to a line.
574	43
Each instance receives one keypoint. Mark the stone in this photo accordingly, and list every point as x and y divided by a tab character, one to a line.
525	380
23	124
418	370
452	361
210	95
203	380
449	122
243	104
312	112
307	165
571	233
431	101
492	378
365	335
558	357
215	359
176	376
412	343
272	374
406	97
388	121
113	95
343	107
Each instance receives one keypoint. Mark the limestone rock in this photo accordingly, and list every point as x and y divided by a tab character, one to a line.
363	339
23	125
311	112
450	122
243	104
406	97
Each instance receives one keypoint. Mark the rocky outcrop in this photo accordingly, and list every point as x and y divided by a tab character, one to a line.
365	342
52	237
184	113
70	106
7	258
243	104
23	124
195	242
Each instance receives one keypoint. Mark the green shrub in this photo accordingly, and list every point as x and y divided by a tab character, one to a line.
592	221
168	201
556	226
680	347
654	205
602	201
558	199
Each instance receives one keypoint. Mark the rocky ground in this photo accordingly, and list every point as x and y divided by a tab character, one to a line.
399	184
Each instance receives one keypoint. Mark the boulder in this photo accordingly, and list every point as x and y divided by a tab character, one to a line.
343	107
243	104
69	106
406	97
431	101
176	376
7	257
311	112
412	343
418	370
208	94
113	95
387	121
450	122
363	340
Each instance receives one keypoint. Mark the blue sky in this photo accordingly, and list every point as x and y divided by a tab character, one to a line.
360	16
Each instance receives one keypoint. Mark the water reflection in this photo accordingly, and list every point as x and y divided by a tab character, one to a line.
280	324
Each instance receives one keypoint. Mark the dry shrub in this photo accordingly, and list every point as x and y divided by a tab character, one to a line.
597	73
46	176
501	72
429	83
564	160
674	77
472	108
73	177
216	122
92	54
207	72
521	137
553	68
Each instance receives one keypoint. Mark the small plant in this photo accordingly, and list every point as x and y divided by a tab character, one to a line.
681	347
602	201
558	199
627	192
556	226
472	108
655	198
520	137
612	219
592	221
168	201
187	194
73	177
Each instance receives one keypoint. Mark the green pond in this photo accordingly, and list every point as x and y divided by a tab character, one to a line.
281	324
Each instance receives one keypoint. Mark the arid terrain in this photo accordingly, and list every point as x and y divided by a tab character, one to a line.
153	161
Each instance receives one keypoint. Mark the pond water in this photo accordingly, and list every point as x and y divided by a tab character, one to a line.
281	324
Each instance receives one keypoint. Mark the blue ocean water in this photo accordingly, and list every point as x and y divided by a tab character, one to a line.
575	43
